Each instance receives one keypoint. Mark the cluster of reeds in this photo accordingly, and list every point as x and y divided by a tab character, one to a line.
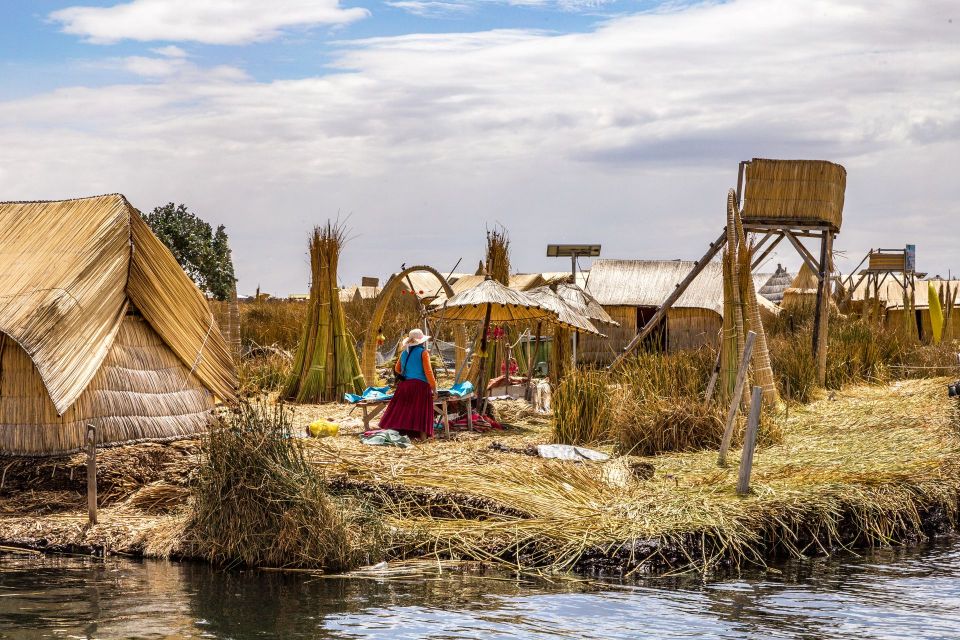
326	365
263	370
259	502
741	313
650	404
275	323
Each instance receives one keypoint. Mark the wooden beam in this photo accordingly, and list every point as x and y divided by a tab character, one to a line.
749	443
714	249
763	256
92	473
802	250
737	397
822	315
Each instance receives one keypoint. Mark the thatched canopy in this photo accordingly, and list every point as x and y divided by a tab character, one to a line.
506	305
568	316
518	282
776	284
71	270
797	191
584	303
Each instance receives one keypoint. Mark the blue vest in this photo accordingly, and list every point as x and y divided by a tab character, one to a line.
411	363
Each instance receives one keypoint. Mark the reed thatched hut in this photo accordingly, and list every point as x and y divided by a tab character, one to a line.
631	291
774	286
99	325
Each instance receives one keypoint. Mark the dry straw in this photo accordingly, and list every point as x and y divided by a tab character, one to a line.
794	191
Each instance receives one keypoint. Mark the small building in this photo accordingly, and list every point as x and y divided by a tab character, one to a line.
631	291
773	287
106	330
895	308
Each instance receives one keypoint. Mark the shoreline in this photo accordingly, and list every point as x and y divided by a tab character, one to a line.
867	467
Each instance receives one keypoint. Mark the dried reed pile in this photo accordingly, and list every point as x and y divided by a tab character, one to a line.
868	468
258	502
326	365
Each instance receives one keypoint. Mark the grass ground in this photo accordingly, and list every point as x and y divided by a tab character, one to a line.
868	465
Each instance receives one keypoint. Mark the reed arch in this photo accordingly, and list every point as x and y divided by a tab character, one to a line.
369	364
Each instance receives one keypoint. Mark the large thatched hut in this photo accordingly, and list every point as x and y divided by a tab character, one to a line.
631	291
99	325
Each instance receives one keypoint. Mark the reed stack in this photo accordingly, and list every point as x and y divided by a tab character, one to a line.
326	365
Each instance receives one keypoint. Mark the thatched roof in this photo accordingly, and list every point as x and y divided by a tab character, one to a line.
507	305
70	269
775	285
518	282
568	316
801	191
349	294
584	303
648	283
426	285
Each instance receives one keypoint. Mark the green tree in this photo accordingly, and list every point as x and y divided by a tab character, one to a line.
203	253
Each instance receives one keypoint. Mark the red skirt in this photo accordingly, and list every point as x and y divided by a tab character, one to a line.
410	410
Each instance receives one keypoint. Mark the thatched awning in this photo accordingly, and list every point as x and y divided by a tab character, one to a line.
584	303
568	316
506	305
68	271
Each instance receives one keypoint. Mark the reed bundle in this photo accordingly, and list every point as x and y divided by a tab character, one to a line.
799	191
258	502
498	255
326	365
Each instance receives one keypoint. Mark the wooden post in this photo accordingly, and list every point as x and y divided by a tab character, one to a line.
92	473
673	297
736	397
749	442
821	317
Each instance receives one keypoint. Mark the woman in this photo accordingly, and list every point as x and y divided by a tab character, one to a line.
411	409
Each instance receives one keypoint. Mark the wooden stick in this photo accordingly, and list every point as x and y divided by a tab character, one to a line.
737	395
749	442
673	297
92	473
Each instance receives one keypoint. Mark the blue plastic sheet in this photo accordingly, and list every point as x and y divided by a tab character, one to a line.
461	389
370	393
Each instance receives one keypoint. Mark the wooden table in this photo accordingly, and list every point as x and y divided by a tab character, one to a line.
441	407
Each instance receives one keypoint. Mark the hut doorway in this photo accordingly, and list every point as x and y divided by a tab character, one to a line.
656	340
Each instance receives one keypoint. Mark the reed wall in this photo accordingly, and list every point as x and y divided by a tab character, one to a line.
141	392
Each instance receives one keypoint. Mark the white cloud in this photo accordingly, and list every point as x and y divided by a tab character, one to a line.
170	51
637	126
452	8
206	21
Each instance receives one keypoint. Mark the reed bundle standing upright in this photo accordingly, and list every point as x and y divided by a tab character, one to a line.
326	365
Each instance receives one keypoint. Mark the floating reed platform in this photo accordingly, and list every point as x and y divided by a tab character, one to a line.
867	466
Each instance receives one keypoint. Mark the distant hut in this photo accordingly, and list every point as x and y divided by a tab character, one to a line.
892	302
100	326
776	284
631	291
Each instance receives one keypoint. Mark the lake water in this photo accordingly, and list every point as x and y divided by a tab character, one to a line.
903	593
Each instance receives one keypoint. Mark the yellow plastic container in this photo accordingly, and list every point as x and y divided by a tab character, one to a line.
323	428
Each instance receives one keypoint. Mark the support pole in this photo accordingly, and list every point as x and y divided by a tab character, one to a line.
820	320
735	399
714	249
749	442
92	473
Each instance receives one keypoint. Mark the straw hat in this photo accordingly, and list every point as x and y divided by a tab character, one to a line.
416	337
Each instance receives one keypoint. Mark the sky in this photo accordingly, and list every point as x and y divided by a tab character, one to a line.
422	123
